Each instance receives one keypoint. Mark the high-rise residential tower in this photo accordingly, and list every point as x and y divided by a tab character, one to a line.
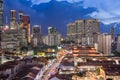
53	38
20	17
13	19
1	14
82	31
1	19
104	43
71	31
26	25
36	31
118	42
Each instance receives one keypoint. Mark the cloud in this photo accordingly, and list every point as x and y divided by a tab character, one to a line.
37	2
108	10
71	1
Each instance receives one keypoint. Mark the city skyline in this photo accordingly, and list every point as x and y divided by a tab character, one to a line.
59	40
53	13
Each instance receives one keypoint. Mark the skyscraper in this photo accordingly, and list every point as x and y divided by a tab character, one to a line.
26	25
52	30
1	18
82	31
13	19
107	44
13	39
118	43
1	14
20	16
91	27
104	43
71	31
36	31
53	38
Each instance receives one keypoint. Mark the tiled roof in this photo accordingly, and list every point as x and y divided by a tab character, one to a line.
28	72
8	65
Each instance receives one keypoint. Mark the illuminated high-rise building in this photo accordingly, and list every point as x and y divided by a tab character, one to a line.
104	43
91	27
13	15
13	19
20	17
1	18
26	25
1	14
13	39
71	31
82	31
53	38
51	30
36	31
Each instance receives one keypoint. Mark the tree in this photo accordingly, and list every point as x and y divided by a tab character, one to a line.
24	49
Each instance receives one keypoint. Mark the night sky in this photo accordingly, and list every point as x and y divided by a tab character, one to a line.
58	13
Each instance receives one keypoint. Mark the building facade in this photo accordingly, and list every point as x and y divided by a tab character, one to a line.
13	23
1	18
53	38
104	44
82	31
13	39
118	43
18	34
20	18
26	25
1	13
36	32
71	31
